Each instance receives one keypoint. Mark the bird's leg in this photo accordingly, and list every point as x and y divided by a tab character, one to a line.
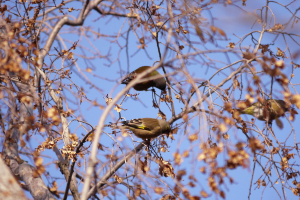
154	97
147	142
269	124
120	117
155	102
153	94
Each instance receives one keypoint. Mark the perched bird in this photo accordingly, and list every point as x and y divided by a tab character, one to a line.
147	128
159	82
272	109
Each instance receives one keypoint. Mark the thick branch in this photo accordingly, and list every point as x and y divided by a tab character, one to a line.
9	187
66	21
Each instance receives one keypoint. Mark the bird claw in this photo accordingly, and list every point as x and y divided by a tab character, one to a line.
147	142
269	124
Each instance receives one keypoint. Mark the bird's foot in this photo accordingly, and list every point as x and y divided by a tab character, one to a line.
147	142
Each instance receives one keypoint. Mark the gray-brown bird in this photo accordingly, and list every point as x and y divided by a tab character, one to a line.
147	128
159	82
272	109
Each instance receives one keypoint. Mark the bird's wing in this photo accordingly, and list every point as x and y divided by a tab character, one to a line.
136	123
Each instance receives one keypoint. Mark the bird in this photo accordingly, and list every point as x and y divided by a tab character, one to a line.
272	109
146	128
159	82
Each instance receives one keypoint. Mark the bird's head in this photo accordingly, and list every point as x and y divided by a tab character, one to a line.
128	78
160	83
165	126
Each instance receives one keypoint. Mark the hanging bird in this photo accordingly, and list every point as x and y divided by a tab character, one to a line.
272	109
159	82
147	128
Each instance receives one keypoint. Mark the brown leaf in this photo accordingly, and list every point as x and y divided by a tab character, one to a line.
118	179
221	32
279	123
204	194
